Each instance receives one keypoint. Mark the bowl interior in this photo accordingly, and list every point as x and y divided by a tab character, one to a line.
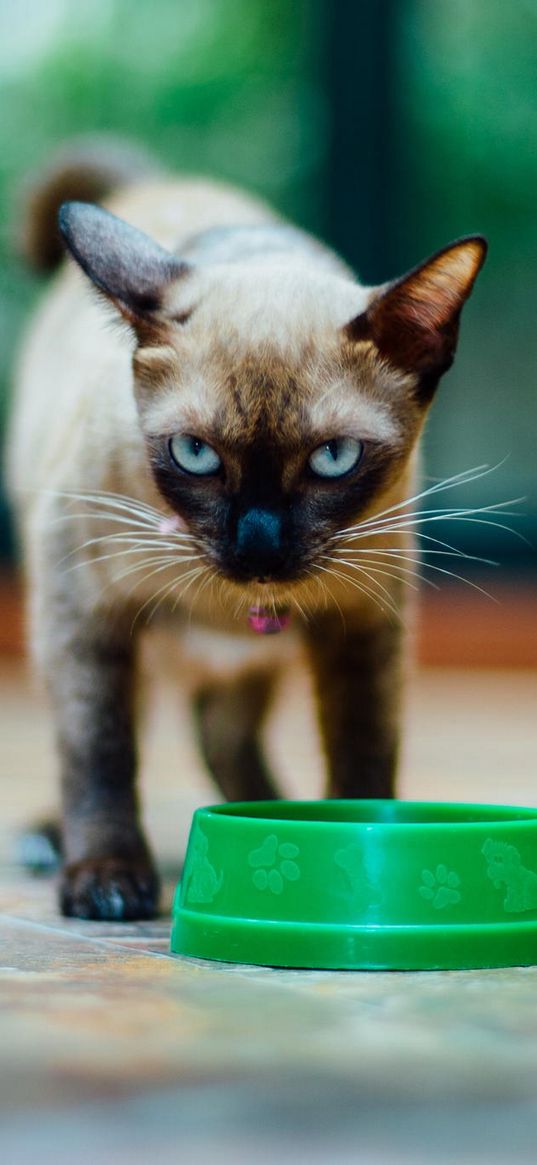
374	812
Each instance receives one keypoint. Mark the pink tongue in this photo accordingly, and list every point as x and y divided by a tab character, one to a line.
267	624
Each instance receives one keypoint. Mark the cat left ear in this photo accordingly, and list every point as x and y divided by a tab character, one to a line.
121	261
414	321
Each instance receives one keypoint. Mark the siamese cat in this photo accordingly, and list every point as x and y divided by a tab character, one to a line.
235	460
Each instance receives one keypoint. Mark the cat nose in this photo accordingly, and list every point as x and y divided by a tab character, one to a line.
259	543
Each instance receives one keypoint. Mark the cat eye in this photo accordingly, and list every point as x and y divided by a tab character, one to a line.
336	457
194	455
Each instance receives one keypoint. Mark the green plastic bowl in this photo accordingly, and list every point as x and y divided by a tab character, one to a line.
360	885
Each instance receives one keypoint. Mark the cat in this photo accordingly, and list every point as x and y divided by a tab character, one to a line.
233	460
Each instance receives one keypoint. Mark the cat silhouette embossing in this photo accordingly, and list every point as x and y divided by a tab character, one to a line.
504	867
204	882
351	861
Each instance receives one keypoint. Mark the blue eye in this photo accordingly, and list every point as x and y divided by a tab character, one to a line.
194	455
336	457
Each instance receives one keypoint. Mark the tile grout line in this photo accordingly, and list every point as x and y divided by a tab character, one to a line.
205	965
102	942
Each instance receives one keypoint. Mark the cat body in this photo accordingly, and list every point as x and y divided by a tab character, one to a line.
216	458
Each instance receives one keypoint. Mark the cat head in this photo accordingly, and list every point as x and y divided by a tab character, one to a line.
280	401
503	860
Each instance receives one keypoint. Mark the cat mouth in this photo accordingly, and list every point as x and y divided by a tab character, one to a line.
268	621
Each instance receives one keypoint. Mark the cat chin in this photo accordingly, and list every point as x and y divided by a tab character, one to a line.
264	608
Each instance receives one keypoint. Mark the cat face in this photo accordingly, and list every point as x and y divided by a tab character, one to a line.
266	452
279	402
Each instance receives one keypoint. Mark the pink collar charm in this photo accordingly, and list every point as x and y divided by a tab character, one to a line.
265	623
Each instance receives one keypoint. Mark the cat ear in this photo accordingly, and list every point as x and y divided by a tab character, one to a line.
123	262
414	321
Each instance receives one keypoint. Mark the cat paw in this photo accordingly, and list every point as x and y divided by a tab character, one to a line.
109	889
38	848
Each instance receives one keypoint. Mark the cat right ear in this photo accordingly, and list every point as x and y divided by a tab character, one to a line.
122	262
414	321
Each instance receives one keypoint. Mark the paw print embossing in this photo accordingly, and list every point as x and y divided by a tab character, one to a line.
204	882
273	864
440	887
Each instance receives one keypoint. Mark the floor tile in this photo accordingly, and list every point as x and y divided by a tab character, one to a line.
109	1042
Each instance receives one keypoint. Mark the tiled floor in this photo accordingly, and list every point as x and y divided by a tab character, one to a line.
112	1051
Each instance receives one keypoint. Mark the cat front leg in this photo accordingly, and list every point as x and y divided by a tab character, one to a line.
229	717
357	671
108	871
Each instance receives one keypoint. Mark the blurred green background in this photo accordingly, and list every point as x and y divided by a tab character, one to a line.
389	128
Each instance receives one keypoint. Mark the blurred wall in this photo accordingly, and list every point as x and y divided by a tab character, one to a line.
432	111
468	89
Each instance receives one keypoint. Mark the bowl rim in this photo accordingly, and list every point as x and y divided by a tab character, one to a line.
396	814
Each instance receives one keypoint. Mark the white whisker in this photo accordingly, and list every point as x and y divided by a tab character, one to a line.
137	529
360	587
96	515
330	598
113	511
299	608
124	554
404	551
379	567
433	566
162	591
321	585
159	565
464	478
195	597
120	502
196	573
384	590
408	521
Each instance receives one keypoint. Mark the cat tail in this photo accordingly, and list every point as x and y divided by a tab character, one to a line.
86	169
